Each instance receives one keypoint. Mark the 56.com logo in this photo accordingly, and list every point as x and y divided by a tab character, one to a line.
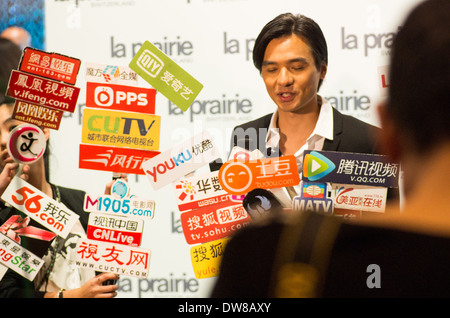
31	203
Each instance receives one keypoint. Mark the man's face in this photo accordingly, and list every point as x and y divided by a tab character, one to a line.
290	74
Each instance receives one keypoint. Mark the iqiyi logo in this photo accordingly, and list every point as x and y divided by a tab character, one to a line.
316	166
150	63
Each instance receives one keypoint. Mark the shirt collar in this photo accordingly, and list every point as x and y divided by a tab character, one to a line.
323	128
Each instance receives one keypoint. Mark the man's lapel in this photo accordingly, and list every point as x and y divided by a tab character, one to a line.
333	145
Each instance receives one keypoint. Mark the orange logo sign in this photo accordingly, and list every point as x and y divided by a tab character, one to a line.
239	177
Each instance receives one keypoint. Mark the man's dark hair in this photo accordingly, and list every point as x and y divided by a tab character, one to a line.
419	91
287	24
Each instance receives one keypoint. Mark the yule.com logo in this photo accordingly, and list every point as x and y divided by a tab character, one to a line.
316	166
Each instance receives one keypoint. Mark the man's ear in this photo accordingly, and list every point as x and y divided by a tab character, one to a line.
323	70
390	135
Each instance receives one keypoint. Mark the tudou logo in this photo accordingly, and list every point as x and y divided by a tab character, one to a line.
170	164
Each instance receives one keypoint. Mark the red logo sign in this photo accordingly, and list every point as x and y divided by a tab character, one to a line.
213	222
120	97
39	90
115	229
114	159
51	65
38	115
114	236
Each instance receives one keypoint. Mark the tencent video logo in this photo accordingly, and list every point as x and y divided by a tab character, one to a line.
316	166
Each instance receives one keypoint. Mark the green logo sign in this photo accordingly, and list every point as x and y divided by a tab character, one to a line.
165	76
316	166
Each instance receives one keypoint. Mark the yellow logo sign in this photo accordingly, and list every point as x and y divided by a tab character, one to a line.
121	129
206	258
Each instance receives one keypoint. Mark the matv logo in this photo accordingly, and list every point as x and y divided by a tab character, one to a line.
316	166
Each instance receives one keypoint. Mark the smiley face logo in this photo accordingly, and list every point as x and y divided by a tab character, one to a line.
26	143
235	177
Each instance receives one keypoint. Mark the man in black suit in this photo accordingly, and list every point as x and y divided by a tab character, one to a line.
399	255
291	54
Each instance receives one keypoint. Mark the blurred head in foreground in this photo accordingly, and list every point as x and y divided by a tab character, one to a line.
416	116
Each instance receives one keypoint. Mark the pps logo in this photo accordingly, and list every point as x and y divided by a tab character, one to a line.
316	166
150	63
120	97
103	96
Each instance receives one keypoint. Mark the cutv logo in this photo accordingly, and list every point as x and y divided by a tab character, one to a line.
175	161
316	166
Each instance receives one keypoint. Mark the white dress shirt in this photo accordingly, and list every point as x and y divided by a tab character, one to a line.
323	130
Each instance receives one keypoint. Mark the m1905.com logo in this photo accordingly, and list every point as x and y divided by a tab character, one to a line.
150	63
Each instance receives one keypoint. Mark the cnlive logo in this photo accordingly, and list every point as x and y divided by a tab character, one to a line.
115	229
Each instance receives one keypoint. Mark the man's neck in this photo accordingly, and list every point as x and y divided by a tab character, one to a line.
295	128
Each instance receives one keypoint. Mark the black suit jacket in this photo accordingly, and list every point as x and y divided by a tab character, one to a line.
349	135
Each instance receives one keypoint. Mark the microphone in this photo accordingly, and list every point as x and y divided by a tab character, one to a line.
260	202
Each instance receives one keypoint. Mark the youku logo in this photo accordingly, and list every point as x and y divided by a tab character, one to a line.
175	161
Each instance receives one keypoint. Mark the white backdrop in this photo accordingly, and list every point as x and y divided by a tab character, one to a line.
212	40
